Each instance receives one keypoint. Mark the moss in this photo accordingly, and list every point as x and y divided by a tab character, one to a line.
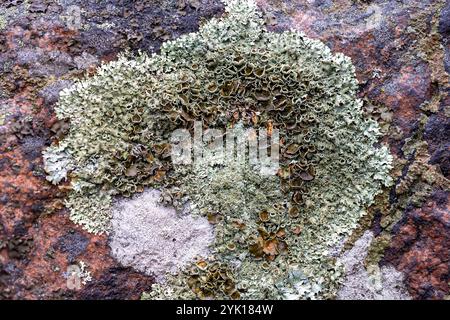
274	234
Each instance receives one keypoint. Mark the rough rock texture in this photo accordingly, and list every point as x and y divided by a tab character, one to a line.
154	239
401	50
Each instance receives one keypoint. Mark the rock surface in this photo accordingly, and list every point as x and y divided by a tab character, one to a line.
401	50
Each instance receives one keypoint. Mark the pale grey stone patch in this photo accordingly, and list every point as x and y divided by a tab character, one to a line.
374	283
153	238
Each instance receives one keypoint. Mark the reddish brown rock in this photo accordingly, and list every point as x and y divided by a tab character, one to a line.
420	248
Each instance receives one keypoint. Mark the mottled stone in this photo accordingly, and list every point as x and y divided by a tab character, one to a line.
401	51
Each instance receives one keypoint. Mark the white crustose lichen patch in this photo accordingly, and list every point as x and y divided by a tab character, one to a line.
153	238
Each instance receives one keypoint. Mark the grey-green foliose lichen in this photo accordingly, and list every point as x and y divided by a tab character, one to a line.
274	234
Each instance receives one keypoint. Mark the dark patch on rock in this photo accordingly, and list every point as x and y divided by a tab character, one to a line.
444	30
32	147
441	157
441	199
4	198
73	244
4	163
376	226
99	42
117	284
437	134
20	229
8	272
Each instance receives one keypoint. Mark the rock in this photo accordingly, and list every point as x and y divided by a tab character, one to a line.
401	51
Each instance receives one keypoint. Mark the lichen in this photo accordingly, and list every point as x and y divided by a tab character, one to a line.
369	282
415	180
274	233
153	239
3	22
57	163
